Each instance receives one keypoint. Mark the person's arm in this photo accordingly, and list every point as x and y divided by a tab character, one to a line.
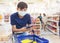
14	29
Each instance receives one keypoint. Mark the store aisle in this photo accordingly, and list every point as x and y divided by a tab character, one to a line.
47	32
50	36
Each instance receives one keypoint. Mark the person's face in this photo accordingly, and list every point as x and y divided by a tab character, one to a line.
22	12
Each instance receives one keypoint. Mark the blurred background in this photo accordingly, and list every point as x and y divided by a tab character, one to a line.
35	7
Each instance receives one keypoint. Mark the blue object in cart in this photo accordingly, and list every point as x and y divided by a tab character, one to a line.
37	39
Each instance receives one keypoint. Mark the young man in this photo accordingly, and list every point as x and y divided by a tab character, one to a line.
19	20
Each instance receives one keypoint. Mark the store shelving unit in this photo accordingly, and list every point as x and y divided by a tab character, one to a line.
5	29
59	25
52	24
52	20
52	31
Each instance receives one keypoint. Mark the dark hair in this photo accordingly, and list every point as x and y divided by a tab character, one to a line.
22	5
44	14
40	13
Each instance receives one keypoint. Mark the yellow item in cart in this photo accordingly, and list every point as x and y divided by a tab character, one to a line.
28	41
34	42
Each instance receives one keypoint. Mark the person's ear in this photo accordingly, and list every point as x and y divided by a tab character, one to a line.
18	9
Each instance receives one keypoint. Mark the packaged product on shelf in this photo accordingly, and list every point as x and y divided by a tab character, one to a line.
32	20
52	28
54	23
6	18
36	26
55	18
5	33
37	21
1	17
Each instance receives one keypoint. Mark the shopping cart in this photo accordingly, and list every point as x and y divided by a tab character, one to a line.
37	39
32	37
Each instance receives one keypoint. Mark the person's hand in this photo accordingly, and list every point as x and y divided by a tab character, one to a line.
24	29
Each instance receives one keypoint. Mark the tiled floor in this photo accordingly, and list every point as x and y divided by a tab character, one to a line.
51	37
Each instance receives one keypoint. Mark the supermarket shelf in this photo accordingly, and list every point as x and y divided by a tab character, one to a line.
51	31
52	20
3	23
52	25
35	24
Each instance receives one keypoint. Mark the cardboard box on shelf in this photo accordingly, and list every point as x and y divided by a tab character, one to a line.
5	32
5	37
6	17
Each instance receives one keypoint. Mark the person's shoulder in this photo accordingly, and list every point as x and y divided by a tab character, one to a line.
28	15
14	14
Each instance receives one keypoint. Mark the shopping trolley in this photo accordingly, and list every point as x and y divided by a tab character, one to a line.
32	37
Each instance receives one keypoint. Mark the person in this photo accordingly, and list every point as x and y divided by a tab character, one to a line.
19	20
40	17
44	21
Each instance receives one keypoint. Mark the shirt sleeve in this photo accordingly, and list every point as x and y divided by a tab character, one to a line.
29	20
12	20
